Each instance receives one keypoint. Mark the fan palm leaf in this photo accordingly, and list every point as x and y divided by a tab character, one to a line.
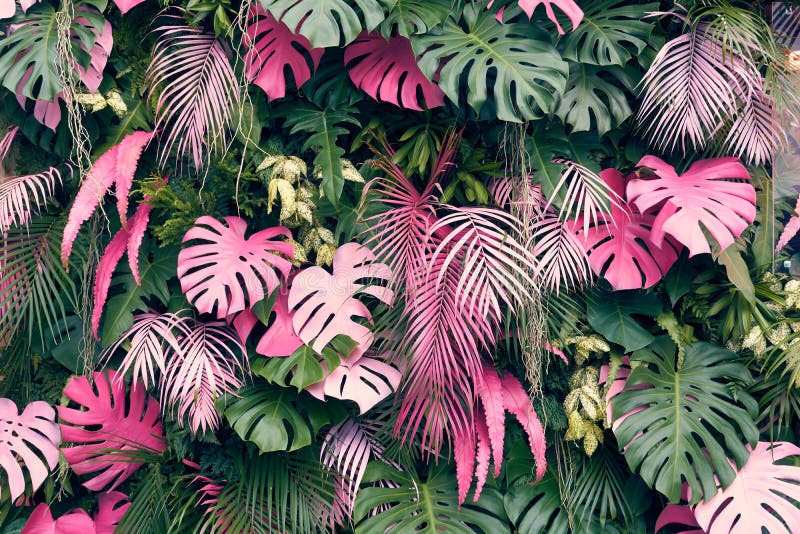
561	260
199	92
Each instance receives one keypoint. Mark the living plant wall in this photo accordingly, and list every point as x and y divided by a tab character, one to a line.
397	266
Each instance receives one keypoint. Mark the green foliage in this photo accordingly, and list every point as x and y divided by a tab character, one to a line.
410	17
301	369
690	422
589	95
149	511
275	418
537	508
485	58
611	314
413	505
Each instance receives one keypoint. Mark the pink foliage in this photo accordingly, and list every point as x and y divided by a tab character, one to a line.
676	514
362	379
25	439
497	396
128	237
92	76
107	450
761	491
115	167
703	197
569	7
108	515
789	231
388	72
619	244
7	9
324	304
210	272
280	339
126	5
271	49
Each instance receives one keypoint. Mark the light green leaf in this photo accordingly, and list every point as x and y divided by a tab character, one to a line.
588	96
608	32
687	424
515	63
328	22
738	273
300	369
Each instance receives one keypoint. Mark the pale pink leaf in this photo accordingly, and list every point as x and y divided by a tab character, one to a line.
21	196
41	522
109	430
568	7
619	244
48	113
126	5
211	273
361	379
109	511
209	362
325	304
704	197
93	75
26	4
489	388
271	49
115	167
388	72
676	514
280	339
562	262
762	492
7	9
518	403
24	439
789	231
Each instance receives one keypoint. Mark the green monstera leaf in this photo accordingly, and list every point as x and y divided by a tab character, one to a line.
610	29
328	22
412	17
29	56
685	422
510	71
275	418
590	96
611	315
430	506
537	508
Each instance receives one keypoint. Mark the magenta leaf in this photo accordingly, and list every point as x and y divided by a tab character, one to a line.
120	432
280	339
116	167
271	49
490	391
619	244
126	5
29	439
518	403
128	237
109	511
324	304
676	514
789	231
363	380
212	273
762	492
388	72
704	197
41	522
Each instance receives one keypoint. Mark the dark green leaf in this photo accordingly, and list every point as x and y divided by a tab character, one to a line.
610	314
412	17
588	96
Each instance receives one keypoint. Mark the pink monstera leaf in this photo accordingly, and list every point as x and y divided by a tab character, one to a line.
123	426
324	304
92	76
279	340
569	7
41	522
7	9
676	514
361	379
29	439
759	495
619	244
129	238
271	49
704	197
388	72
474	449
108	515
212	272
115	167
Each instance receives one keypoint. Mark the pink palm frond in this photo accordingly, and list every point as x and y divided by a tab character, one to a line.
212	361
562	262
198	95
20	196
585	194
